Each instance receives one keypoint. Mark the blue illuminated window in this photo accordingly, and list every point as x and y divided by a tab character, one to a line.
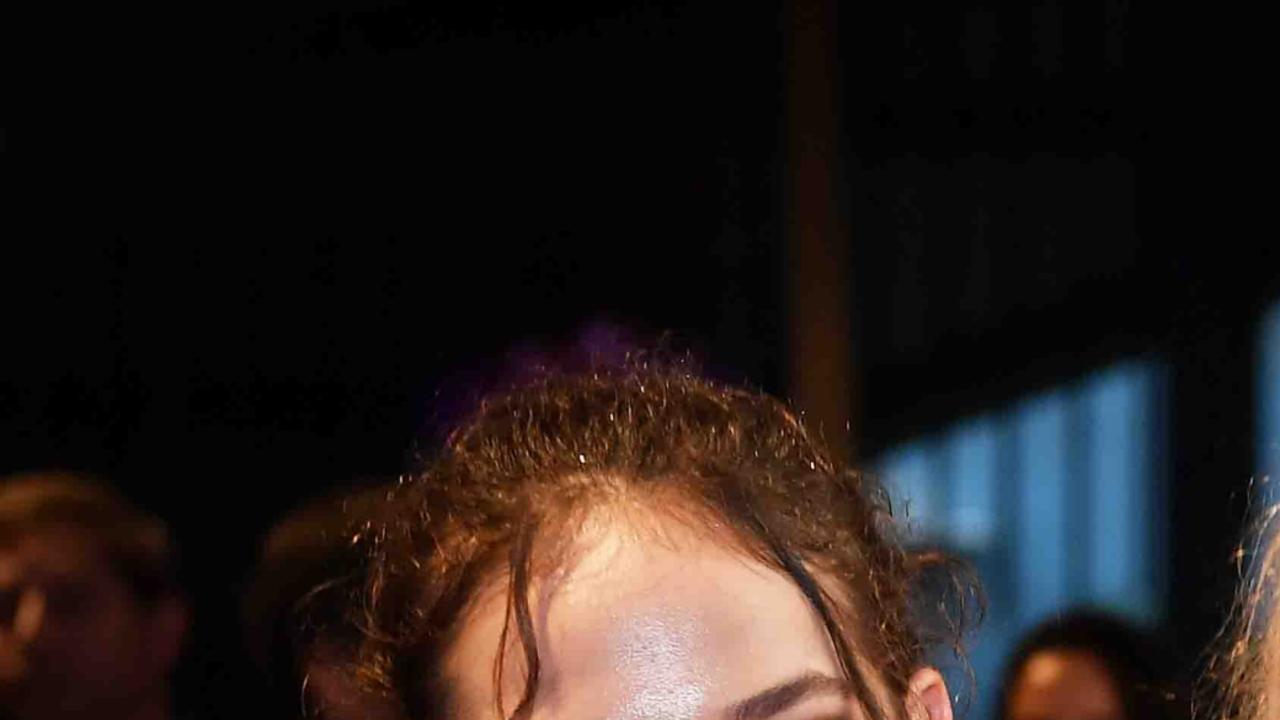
1055	500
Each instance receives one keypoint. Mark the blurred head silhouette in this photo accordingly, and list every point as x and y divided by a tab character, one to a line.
91	621
292	603
1085	666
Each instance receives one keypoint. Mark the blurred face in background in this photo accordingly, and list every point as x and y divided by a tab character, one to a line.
1065	684
75	641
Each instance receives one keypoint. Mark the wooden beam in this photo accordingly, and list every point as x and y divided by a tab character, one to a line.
821	363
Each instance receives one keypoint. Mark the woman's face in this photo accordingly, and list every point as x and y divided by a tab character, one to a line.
642	630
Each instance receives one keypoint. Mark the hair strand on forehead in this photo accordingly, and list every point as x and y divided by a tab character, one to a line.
818	600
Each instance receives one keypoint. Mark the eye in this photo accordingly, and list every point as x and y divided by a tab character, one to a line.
845	713
848	713
66	598
8	605
823	709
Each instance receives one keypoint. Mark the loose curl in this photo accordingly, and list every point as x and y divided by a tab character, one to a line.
1240	681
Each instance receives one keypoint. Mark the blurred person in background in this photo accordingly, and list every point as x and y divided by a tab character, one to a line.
304	576
1088	665
91	619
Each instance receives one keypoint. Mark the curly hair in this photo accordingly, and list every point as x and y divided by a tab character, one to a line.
1240	681
530	462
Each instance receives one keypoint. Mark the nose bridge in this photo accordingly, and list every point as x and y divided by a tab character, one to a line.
29	615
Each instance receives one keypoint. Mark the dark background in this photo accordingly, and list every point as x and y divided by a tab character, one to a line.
256	250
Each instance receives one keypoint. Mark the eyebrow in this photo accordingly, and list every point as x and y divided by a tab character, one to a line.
780	697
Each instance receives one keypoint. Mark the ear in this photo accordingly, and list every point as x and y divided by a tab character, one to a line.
927	696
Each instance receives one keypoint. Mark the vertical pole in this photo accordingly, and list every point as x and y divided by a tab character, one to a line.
821	363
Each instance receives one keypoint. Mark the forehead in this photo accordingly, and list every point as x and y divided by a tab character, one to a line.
634	628
52	550
1066	683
